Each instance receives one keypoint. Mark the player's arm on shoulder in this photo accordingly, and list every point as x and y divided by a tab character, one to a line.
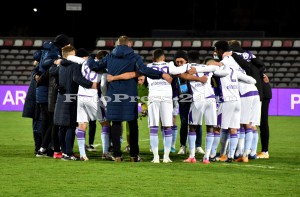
189	77
246	78
124	76
73	58
173	70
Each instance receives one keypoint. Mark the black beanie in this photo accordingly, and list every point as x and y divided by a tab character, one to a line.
62	40
181	54
82	52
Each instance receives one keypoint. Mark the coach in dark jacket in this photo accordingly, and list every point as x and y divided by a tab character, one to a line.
65	113
122	94
31	110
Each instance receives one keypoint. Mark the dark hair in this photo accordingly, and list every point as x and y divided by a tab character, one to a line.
193	56
181	54
157	53
101	54
222	45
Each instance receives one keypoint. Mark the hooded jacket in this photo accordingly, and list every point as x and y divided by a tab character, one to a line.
122	94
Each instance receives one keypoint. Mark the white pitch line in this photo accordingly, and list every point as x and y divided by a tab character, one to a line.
262	166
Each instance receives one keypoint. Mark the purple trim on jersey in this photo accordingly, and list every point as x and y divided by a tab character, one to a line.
251	93
153	130
168	132
105	129
84	95
206	73
211	96
219	120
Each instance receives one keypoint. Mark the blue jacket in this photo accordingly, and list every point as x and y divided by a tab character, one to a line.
122	103
49	53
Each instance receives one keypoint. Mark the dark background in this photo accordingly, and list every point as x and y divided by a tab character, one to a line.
188	18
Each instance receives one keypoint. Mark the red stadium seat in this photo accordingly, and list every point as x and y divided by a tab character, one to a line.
187	43
110	43
8	43
206	43
148	43
27	43
246	43
167	43
287	43
266	43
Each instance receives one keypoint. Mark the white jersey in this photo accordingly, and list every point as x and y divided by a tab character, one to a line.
229	80
91	76
246	89
228	83
160	89
88	74
202	91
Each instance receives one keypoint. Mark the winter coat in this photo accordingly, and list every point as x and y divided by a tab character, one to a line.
49	54
29	108
69	77
122	94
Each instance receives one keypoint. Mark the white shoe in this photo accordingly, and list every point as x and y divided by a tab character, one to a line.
155	160
84	158
167	160
200	150
182	150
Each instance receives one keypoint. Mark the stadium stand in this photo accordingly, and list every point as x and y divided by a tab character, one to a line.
281	55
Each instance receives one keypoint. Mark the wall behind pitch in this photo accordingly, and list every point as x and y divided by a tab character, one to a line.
285	102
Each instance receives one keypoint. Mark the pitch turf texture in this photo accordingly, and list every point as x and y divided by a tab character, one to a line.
22	174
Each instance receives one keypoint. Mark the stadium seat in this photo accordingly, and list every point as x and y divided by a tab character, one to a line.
27	43
294	52
196	43
273	52
290	75
37	43
266	43
4	51
277	43
24	51
207	43
176	43
100	43
186	43
287	43
282	85
8	42
147	43
246	43
110	43
138	43
256	43
283	52
296	43
18	43
166	43
157	44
